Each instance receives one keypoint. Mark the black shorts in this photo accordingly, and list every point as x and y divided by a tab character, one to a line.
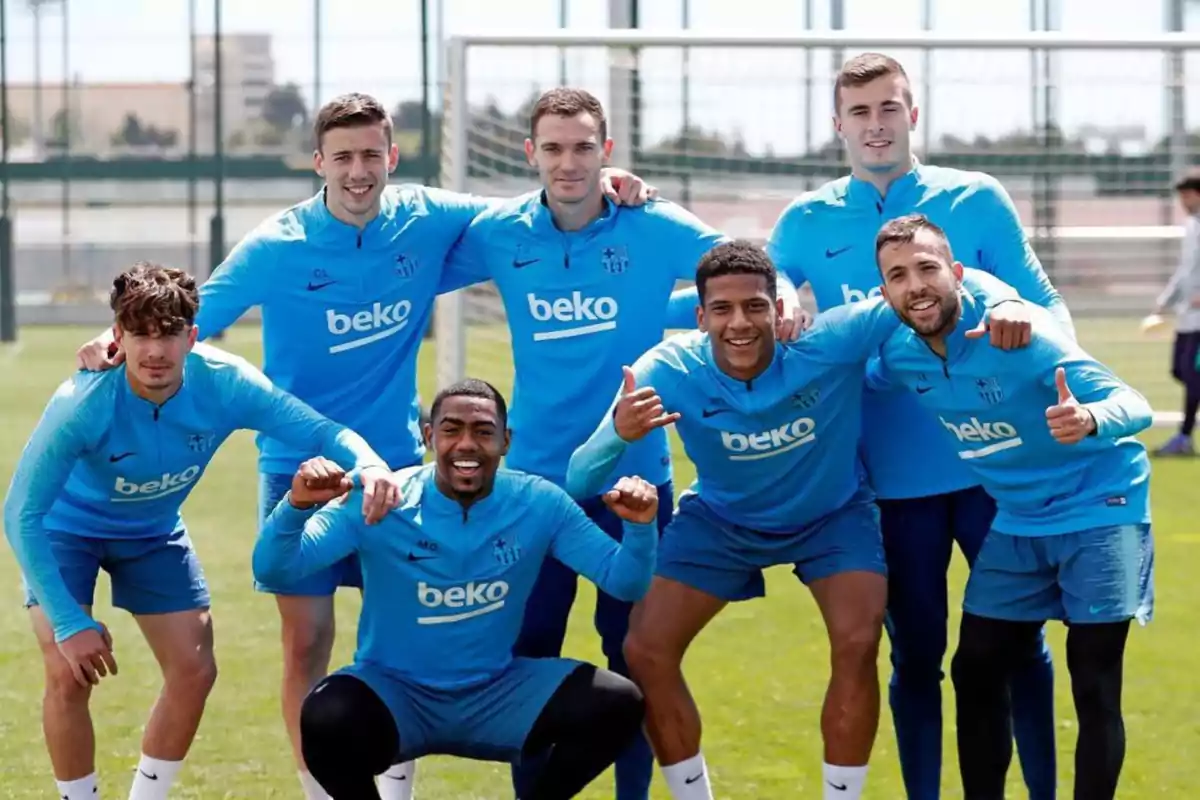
1183	360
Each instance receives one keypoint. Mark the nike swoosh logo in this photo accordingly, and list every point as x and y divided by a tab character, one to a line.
840	788
693	779
519	264
115	459
398	777
831	253
712	412
312	287
924	389
415	557
151	777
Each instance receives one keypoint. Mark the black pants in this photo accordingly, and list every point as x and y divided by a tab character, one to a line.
1184	370
348	735
989	650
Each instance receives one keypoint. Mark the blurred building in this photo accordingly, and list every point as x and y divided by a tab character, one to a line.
98	112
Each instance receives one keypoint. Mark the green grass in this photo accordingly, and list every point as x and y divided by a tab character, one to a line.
758	673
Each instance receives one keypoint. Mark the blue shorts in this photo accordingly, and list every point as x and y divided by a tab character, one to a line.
157	575
347	572
1097	575
486	722
703	551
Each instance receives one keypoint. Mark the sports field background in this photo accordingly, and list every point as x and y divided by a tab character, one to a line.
759	672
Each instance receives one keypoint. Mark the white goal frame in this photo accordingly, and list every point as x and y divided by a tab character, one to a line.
450	329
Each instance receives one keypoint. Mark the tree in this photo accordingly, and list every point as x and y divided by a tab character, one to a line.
408	115
134	133
64	130
284	108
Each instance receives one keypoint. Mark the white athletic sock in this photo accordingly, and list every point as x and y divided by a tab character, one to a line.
153	778
80	789
688	780
312	789
397	782
843	783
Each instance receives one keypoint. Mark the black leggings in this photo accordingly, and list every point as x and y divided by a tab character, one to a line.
988	651
348	735
1185	370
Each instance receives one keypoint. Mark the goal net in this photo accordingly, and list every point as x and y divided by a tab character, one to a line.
1086	134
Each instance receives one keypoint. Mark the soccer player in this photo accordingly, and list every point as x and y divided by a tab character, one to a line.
447	578
1050	433
346	281
585	285
825	238
99	486
1182	296
771	429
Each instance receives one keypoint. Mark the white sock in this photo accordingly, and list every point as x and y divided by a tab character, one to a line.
397	782
153	778
80	789
312	789
843	783
688	780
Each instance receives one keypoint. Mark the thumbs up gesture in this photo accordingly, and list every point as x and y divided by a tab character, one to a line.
640	410
1069	421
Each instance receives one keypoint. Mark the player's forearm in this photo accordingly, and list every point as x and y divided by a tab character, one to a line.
25	534
345	446
1125	412
593	462
627	574
291	545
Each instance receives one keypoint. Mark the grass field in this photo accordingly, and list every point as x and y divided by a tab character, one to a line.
759	672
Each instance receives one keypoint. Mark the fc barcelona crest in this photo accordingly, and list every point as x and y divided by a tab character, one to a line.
989	390
406	265
615	259
505	551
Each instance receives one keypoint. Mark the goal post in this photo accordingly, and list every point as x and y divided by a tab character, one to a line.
743	125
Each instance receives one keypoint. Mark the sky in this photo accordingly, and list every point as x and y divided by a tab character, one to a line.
756	94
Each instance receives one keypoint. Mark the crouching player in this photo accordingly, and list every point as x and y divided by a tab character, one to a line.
446	577
1051	434
770	429
100	484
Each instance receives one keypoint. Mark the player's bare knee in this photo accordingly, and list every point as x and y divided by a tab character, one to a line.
61	687
855	646
647	657
193	675
308	642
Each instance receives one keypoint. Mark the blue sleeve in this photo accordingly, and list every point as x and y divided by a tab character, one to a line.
785	242
592	463
55	445
847	334
690	238
1119	409
1008	254
620	569
467	263
879	378
294	543
262	406
241	282
681	308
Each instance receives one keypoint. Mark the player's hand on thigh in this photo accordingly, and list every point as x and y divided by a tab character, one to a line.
90	655
640	410
318	481
1069	421
381	492
624	188
633	500
1009	323
99	354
